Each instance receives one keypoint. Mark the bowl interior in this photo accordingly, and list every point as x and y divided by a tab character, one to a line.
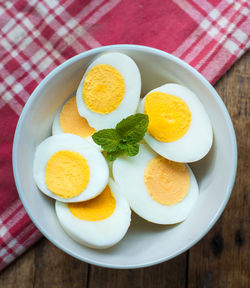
145	243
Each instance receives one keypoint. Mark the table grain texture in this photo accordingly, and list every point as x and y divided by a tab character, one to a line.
220	259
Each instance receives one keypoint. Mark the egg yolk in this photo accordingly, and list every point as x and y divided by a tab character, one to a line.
72	122
67	174
169	116
103	89
99	208
167	182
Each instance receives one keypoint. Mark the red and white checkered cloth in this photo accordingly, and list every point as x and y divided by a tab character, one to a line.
36	36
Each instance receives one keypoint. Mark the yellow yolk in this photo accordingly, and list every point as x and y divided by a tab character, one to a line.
103	89
67	174
72	122
99	208
169	116
167	182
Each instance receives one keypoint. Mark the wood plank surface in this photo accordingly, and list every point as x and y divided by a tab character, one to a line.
45	266
220	259
169	274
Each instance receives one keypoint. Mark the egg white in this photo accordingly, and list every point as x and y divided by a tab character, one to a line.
128	173
57	129
97	234
99	171
196	143
132	78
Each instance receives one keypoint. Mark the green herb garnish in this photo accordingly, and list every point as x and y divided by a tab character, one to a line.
124	138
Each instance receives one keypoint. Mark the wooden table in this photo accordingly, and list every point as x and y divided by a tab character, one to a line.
220	259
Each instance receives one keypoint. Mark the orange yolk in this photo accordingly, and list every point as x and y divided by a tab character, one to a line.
99	208
169	116
103	89
67	174
167	182
72	122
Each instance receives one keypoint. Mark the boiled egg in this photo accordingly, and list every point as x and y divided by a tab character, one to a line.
179	128
68	168
97	223
68	120
159	190
109	91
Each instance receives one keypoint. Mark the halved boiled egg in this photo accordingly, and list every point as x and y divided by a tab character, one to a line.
70	169
68	120
159	190
179	128
109	91
97	223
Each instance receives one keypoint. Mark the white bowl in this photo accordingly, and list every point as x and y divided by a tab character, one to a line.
145	244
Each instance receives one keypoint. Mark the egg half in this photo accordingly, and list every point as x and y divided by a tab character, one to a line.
179	128
97	223
109	90
157	189
68	168
68	120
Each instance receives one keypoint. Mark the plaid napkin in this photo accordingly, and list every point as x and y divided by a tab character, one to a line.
36	36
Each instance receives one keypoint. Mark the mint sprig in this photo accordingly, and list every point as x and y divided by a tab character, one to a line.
133	128
108	139
124	138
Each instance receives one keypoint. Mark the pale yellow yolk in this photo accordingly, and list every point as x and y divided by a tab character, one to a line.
67	174
167	182
169	116
99	208
103	89
72	122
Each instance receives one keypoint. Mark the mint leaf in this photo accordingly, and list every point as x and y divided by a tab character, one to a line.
124	138
108	139
128	149
133	128
111	156
122	145
132	149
